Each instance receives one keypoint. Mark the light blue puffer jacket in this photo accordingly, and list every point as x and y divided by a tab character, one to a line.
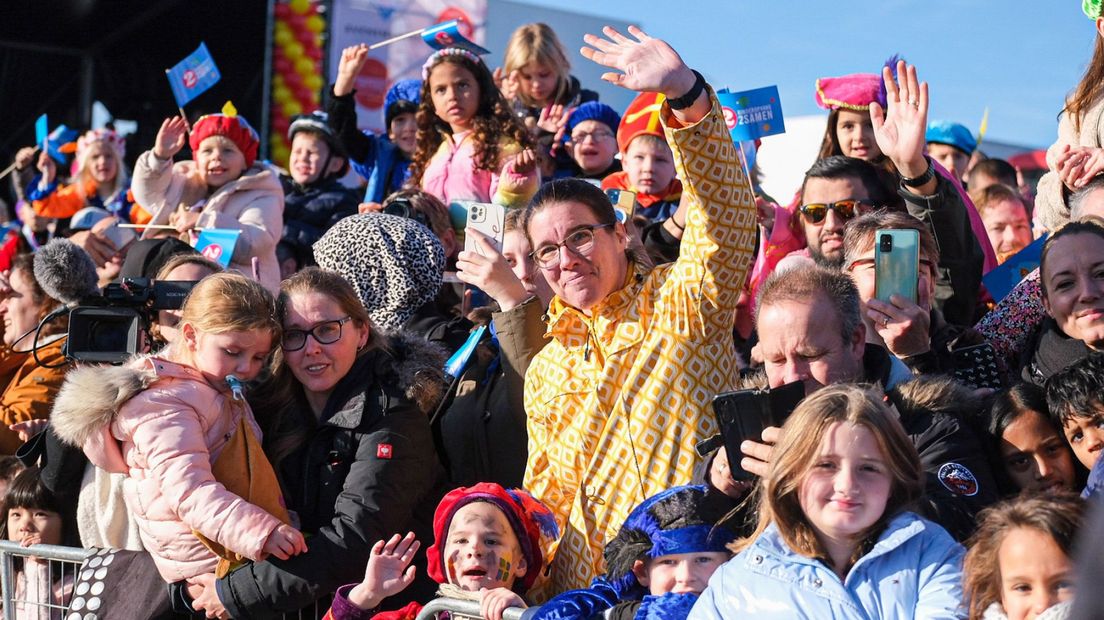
913	571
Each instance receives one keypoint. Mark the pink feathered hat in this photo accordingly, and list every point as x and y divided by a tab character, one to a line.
850	92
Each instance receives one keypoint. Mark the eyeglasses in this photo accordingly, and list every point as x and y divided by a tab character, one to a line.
817	211
599	134
580	242
326	332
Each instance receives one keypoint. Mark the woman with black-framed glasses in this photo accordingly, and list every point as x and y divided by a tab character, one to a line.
348	433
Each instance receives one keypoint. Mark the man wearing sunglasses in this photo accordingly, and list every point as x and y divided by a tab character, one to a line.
836	189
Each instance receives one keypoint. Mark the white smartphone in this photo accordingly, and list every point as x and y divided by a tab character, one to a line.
488	219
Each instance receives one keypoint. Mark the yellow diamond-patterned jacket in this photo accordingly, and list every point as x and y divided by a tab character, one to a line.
615	420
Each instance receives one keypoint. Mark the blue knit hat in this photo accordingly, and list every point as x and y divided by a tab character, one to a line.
951	134
594	111
403	97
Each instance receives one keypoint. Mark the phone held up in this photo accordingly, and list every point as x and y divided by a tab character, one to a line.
744	414
896	264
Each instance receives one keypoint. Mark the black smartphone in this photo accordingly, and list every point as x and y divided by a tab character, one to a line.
744	414
977	366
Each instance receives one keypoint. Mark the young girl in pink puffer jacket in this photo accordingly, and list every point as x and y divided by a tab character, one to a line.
201	491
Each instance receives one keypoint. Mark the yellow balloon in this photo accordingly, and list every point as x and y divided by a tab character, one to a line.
277	81
316	24
292	109
313	82
281	155
282	37
274	138
305	67
281	95
299	6
294	51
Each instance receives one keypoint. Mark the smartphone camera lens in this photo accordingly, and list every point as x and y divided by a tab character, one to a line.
887	243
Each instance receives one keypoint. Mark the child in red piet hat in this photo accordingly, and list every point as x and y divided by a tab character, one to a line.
648	165
223	187
490	545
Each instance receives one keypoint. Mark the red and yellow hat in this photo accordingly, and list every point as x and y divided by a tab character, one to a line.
640	118
233	127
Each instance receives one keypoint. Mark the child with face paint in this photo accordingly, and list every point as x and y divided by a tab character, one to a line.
489	545
659	562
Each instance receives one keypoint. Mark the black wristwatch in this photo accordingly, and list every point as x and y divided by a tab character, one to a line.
687	100
921	180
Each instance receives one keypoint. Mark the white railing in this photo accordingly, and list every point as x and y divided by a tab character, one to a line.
464	609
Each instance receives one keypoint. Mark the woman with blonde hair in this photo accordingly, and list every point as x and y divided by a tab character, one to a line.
834	524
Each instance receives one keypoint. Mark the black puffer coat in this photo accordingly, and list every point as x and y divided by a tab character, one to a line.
368	471
311	210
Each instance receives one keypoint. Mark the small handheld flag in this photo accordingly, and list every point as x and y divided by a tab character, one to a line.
218	244
42	131
192	76
438	36
752	114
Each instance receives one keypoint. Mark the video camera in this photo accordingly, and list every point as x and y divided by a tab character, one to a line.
108	328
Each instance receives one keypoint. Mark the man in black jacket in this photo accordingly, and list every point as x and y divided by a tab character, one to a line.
811	331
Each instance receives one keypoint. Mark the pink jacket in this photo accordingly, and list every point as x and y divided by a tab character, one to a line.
253	204
452	175
163	425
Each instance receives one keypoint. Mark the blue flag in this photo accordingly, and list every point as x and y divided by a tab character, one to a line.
459	360
193	75
42	130
752	114
1004	277
218	244
447	34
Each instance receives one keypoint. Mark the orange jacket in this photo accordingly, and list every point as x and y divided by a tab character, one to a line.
29	388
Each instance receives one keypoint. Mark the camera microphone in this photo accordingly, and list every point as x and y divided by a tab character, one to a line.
65	272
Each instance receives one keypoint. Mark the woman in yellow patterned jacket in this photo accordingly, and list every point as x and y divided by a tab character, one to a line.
620	395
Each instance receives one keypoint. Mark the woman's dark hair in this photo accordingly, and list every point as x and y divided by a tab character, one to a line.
24	263
1090	88
1059	516
28	491
1076	391
493	123
1089	225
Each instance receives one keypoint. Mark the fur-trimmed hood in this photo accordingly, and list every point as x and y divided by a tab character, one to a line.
418	365
92	395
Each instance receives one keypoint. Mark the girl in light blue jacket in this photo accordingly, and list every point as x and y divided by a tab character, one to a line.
834	539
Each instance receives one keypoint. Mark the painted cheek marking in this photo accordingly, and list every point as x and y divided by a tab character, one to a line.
503	570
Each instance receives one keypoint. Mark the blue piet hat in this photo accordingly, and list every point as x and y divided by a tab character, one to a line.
951	134
681	519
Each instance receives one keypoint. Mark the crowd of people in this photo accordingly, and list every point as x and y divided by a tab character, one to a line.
368	403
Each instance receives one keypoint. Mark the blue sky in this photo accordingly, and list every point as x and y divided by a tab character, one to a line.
1019	58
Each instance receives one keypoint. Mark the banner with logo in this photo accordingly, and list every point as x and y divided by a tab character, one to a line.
753	114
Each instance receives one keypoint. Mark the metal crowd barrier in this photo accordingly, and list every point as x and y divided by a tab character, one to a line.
70	559
65	559
462	609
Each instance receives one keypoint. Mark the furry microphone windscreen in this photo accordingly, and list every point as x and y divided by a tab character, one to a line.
65	272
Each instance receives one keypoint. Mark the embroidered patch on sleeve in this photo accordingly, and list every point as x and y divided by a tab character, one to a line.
384	451
958	479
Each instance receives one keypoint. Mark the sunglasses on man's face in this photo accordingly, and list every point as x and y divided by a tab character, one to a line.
815	212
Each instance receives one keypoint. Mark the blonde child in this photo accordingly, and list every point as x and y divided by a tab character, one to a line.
647	161
1020	560
834	528
469	145
536	78
34	516
490	544
100	181
224	187
197	483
